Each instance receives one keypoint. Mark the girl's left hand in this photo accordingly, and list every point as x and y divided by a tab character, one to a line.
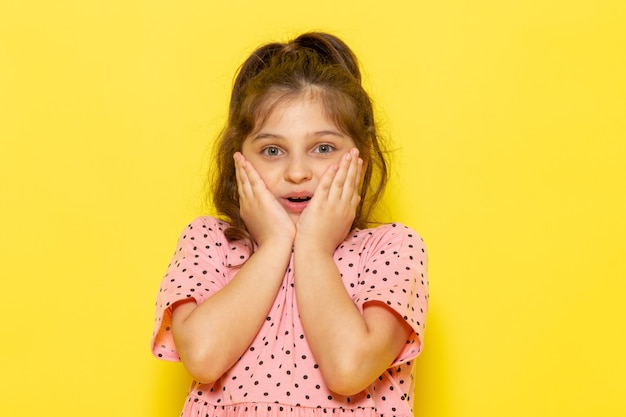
328	218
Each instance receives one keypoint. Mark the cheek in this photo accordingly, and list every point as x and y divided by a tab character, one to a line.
268	177
269	172
323	166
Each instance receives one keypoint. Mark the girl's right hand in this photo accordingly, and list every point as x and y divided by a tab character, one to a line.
265	218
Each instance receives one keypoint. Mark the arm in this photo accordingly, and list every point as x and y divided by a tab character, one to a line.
351	348
211	337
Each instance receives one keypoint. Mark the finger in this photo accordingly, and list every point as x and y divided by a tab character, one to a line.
251	179
343	184
336	187
257	186
351	183
323	187
357	184
238	174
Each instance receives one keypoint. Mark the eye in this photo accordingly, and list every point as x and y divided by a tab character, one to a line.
271	151
324	148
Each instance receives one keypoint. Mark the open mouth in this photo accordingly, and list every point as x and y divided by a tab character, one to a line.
296	202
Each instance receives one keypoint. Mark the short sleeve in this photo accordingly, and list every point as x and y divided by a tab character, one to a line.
395	273
198	269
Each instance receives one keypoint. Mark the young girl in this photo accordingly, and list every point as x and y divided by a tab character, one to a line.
288	305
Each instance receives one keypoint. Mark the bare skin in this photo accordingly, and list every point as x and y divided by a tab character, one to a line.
298	179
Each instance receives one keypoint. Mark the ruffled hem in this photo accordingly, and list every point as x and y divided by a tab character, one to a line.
196	407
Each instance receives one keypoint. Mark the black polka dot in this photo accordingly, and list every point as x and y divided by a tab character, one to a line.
385	264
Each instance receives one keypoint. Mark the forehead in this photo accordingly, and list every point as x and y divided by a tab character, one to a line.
289	112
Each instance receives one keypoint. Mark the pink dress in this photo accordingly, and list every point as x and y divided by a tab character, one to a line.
278	375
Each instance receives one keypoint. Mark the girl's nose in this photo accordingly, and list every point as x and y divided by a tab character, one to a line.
297	170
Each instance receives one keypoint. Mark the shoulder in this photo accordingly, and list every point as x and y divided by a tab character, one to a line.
204	227
208	224
391	243
204	238
394	229
390	234
202	233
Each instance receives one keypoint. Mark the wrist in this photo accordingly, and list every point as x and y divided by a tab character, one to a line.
313	247
276	243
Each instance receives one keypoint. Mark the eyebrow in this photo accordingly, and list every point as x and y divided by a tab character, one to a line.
268	135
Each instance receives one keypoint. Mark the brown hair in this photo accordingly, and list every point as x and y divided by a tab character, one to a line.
317	63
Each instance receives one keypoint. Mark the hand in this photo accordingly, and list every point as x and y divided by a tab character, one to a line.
327	219
264	216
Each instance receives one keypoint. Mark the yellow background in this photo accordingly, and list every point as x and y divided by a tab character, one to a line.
508	120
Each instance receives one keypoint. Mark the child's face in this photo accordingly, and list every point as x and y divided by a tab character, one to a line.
292	150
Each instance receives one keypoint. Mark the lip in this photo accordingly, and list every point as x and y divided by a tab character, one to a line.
296	206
